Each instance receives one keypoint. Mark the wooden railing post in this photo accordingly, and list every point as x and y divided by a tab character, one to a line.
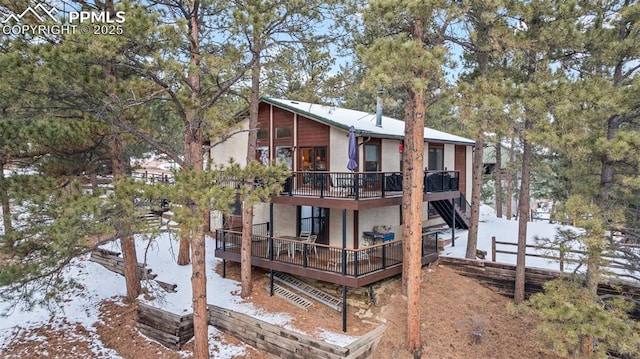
493	248
561	252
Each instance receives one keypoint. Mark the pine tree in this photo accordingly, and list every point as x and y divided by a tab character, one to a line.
597	131
407	51
481	89
262	23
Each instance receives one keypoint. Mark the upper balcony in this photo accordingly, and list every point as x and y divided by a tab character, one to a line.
356	187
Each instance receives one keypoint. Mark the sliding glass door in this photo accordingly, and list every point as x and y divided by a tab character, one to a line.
314	220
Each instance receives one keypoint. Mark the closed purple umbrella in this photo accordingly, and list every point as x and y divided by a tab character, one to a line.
353	149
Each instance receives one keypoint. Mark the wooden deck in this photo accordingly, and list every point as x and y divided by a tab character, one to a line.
359	191
350	267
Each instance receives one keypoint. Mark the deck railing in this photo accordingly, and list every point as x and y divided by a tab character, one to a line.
349	262
360	185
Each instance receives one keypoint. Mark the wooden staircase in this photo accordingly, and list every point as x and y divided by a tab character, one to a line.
309	290
450	213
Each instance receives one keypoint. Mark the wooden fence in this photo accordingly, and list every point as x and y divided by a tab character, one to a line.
172	331
613	263
501	277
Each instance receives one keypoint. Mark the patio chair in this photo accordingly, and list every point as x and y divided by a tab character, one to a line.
337	261
279	247
343	184
310	242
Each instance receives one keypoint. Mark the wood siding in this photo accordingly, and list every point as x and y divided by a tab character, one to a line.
284	119
312	133
461	165
263	123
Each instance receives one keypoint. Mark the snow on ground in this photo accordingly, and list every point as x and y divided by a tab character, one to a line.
98	284
506	231
80	306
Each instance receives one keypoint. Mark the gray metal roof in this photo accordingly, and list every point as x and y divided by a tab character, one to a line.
364	122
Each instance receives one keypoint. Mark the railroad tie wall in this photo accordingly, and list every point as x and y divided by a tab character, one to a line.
169	329
173	331
284	343
113	262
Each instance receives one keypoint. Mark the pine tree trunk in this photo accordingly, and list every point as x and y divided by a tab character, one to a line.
523	216
412	202
127	243
245	251
199	293
194	161
193	151
94	184
476	189
6	209
510	179
119	168
247	209
498	185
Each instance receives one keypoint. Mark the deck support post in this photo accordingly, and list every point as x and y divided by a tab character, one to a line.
344	242
271	282
224	268
270	249
344	269
453	221
344	308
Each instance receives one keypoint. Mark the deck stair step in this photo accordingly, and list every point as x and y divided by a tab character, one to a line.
309	290
291	296
151	219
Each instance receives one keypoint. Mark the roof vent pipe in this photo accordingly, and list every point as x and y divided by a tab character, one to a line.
379	109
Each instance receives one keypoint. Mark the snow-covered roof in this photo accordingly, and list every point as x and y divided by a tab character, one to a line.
363	122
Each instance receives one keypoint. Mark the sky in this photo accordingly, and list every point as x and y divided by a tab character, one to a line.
82	306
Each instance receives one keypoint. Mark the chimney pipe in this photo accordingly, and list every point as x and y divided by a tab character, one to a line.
379	109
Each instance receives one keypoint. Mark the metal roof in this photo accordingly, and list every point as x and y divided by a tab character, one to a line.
364	122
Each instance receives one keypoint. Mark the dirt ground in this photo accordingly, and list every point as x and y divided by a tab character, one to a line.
453	309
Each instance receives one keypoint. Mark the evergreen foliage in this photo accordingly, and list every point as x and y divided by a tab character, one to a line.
51	227
570	312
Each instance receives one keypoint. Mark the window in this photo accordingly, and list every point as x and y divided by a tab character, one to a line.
284	155
371	157
262	155
436	158
263	133
283	132
313	158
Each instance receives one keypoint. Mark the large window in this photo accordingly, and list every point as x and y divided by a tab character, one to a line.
436	158
371	157
313	159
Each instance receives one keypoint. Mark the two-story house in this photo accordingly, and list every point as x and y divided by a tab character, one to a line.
338	217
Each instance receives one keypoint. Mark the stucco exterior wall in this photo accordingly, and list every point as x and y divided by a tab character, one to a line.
338	150
390	156
284	220
235	147
335	228
261	213
386	216
449	157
